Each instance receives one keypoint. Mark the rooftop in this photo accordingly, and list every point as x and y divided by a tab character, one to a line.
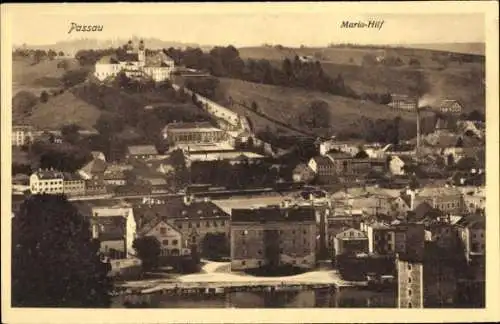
339	155
274	213
142	150
49	174
231	155
176	208
191	127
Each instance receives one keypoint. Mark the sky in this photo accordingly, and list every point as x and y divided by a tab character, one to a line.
245	25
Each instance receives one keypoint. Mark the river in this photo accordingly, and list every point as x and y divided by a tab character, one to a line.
325	298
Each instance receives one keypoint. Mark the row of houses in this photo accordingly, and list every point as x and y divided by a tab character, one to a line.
409	103
26	134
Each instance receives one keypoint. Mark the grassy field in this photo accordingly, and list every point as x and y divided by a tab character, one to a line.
62	110
36	78
286	104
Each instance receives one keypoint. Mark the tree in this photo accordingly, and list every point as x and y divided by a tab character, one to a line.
148	250
317	115
55	262
23	101
255	107
361	155
44	96
70	134
74	77
215	246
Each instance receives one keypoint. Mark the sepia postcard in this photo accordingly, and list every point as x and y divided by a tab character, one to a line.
259	162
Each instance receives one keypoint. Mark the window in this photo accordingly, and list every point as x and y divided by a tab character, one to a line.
409	305
179	226
163	230
208	224
409	266
243	263
215	224
409	292
190	225
165	242
409	279
198	224
175	242
223	223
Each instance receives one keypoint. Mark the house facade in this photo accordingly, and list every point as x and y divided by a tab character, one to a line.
142	152
273	237
170	238
193	133
22	135
73	185
350	241
47	182
115	228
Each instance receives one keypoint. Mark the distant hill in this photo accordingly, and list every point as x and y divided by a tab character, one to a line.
72	46
463	48
462	81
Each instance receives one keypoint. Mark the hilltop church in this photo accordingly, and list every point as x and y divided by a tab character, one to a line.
136	64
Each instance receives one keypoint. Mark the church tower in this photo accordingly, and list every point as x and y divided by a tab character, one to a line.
141	52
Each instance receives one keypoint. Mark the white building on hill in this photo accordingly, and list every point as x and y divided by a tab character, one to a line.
136	64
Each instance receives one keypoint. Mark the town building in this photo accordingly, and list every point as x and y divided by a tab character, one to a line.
403	102
350	241
399	164
194	218
95	187
73	184
98	155
115	228
448	106
273	236
428	279
322	167
93	169
404	149
389	239
233	157
303	173
142	152
47	182
449	200
474	199
136	64
114	178
22	135
170	238
192	133
350	147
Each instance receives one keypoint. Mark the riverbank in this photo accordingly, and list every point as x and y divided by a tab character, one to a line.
216	277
